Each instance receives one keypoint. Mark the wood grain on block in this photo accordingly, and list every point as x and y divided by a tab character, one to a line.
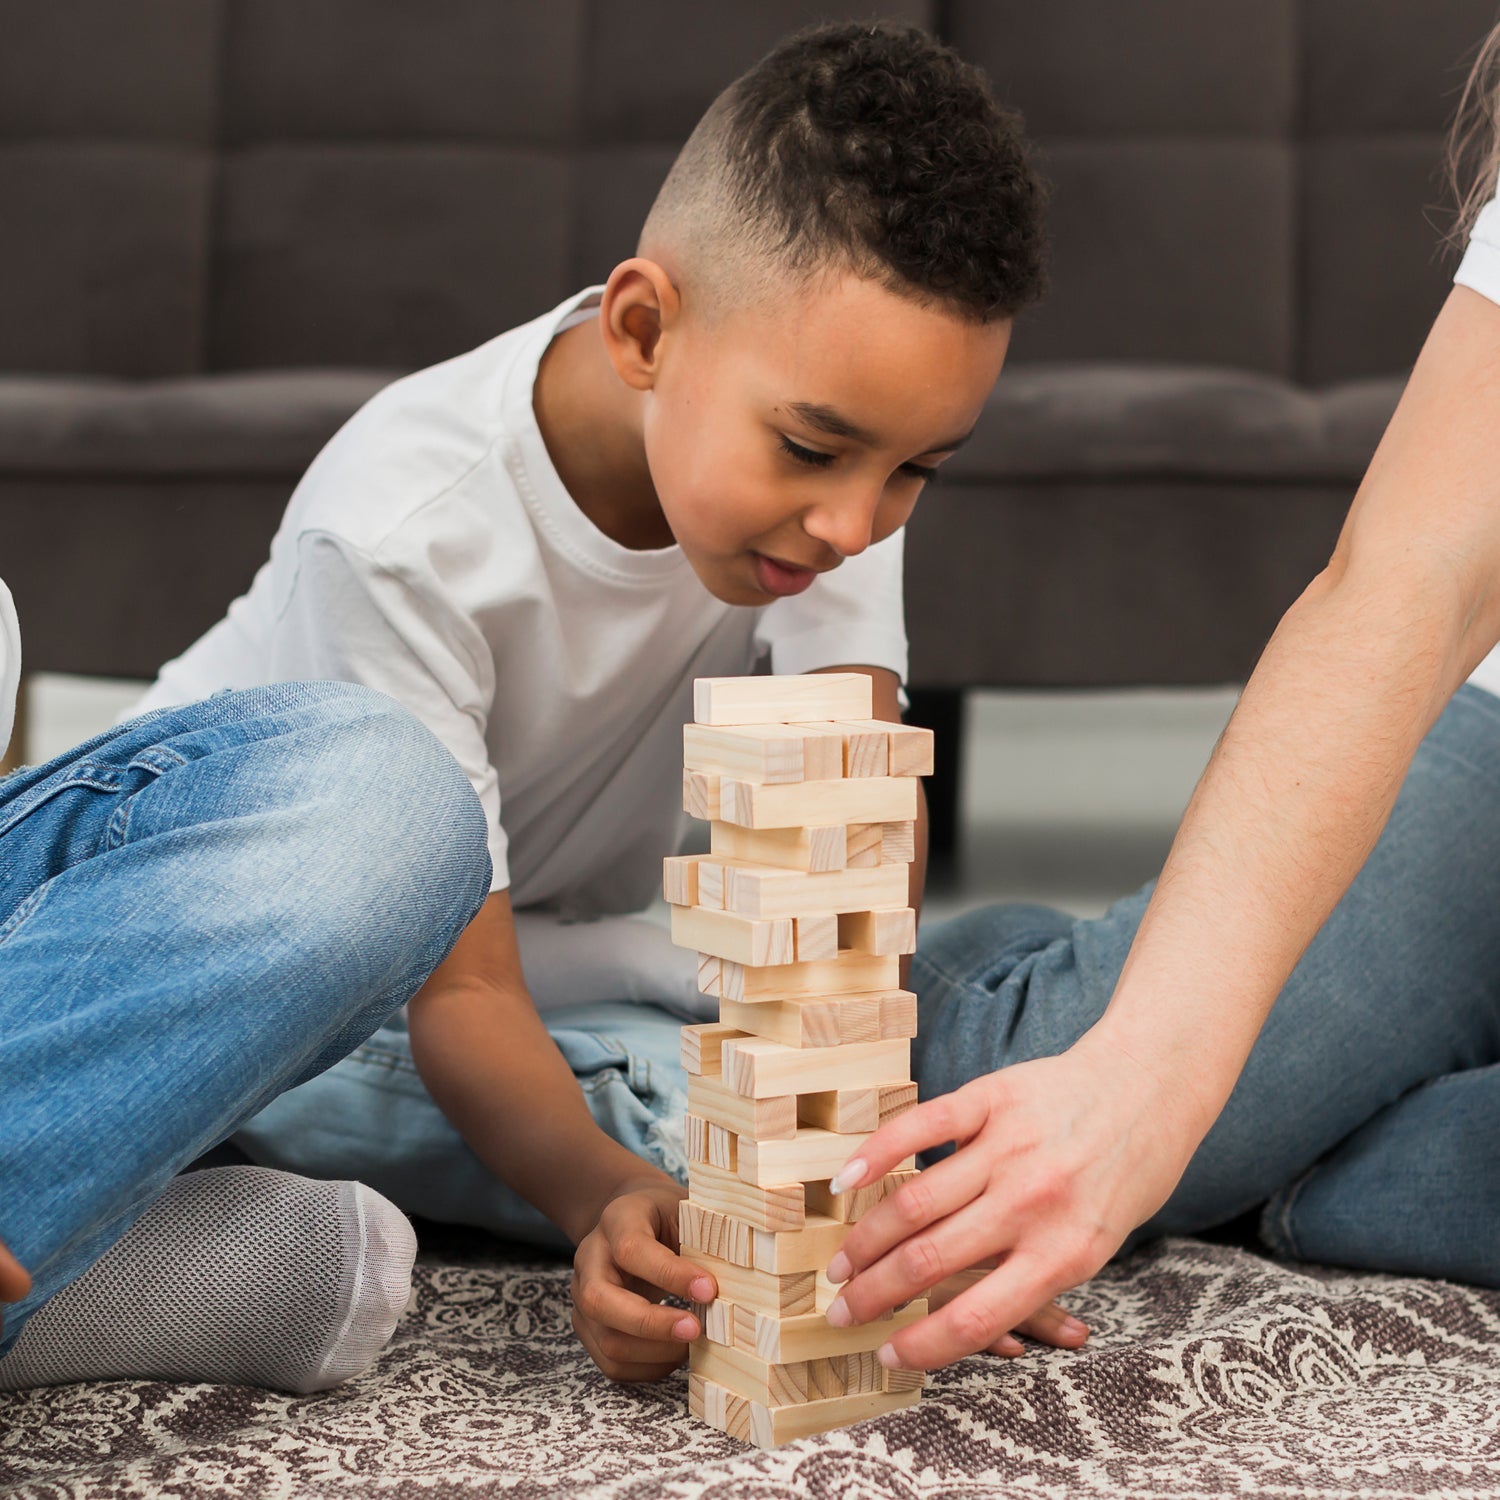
808	1022
853	1205
740	1371
867	747
852	1111
905	1380
898	845
765	1119
866	799
763	891
848	974
863	843
843	1375
723	1148
780	1295
812	1336
774	1208
716	1319
695	1137
770	1426
719	1407
810	1156
807	1249
815	850
883	931
702	1045
710	974
679	879
810	697
754	1066
898	1015
756	941
816	936
770	754
700	795
700	1228
911	750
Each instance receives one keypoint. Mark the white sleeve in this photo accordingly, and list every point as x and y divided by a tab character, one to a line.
851	617
1479	270
10	664
350	619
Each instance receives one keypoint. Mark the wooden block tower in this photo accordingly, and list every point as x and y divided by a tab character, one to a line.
800	916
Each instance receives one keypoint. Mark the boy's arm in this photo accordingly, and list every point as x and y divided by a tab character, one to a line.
489	1063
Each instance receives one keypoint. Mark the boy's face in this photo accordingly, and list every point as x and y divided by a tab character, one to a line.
783	438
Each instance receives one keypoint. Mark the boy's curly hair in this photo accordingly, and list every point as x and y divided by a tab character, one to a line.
871	147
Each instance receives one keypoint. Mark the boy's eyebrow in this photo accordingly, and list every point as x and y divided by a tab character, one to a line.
832	421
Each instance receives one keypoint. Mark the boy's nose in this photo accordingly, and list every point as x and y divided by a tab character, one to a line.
845	525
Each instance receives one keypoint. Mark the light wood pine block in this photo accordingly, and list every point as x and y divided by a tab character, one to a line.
702	1047
850	1207
679	879
768	754
768	891
723	1147
912	750
850	1111
898	844
882	931
730	1239
812	1336
716	1319
771	1426
848	974
740	1371
807	1022
866	747
807	698
810	850
905	1380
816	937
807	1249
763	1291
810	1156
775	1209
866	799
863	843
761	1069
765	1119
700	795
695	1137
842	1375
710	974
756	941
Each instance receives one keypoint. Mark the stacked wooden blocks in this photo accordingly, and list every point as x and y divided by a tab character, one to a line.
800	916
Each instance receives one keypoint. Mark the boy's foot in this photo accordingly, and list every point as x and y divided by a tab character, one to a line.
237	1275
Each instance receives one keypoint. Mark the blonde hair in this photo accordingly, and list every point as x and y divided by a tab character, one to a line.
1473	159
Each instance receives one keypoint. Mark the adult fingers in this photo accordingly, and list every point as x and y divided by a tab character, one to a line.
949	1117
1054	1325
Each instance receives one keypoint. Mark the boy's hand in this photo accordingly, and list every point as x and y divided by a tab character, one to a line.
15	1282
1057	1160
622	1270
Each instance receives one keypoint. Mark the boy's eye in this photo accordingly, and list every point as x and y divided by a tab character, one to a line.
924	472
805	455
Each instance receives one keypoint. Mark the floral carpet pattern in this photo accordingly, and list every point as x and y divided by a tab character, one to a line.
1210	1371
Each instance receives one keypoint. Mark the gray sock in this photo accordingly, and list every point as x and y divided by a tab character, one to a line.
235	1275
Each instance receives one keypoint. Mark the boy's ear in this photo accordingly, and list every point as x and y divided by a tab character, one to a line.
640	305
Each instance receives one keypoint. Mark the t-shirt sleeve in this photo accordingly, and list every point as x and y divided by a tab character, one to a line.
851	617
349	618
1479	270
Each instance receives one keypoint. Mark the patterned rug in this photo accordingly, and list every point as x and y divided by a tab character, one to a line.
1210	1372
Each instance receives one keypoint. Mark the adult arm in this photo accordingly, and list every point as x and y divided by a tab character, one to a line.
1060	1158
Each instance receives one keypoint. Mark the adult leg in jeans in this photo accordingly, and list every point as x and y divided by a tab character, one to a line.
1399	989
199	909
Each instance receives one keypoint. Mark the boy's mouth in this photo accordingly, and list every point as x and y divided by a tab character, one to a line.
779	578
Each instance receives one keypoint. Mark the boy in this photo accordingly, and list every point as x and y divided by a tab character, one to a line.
538	545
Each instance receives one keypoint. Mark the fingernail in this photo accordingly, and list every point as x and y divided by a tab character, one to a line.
851	1175
1074	1326
889	1358
838	1313
685	1329
701	1289
839	1267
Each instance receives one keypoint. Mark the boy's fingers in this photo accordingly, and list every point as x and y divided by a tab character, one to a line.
628	1312
949	1117
15	1280
642	1255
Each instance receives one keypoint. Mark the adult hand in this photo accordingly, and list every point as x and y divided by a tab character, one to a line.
1057	1160
622	1270
15	1281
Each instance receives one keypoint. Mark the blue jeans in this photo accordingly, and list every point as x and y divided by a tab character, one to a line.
1367	1119
199	909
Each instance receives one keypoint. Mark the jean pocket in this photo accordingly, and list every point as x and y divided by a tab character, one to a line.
26	800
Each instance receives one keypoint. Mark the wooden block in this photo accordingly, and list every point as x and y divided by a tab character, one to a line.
710	974
700	1228
771	1208
867	747
898	1015
679	879
754	1066
806	849
850	1207
816	936
695	1138
756	941
700	795
809	1022
770	1426
765	1119
810	1156
851	1111
763	1291
807	1249
740	1371
867	799
723	1150
848	974
911	750
905	1380
702	1047
716	1319
898	844
812	1336
764	891
843	1375
719	1407
768	754
885	930
813	696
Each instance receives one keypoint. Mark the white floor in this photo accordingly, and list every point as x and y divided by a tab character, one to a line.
1070	798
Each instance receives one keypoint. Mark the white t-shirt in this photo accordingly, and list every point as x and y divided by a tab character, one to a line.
10	664
1480	272
432	551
